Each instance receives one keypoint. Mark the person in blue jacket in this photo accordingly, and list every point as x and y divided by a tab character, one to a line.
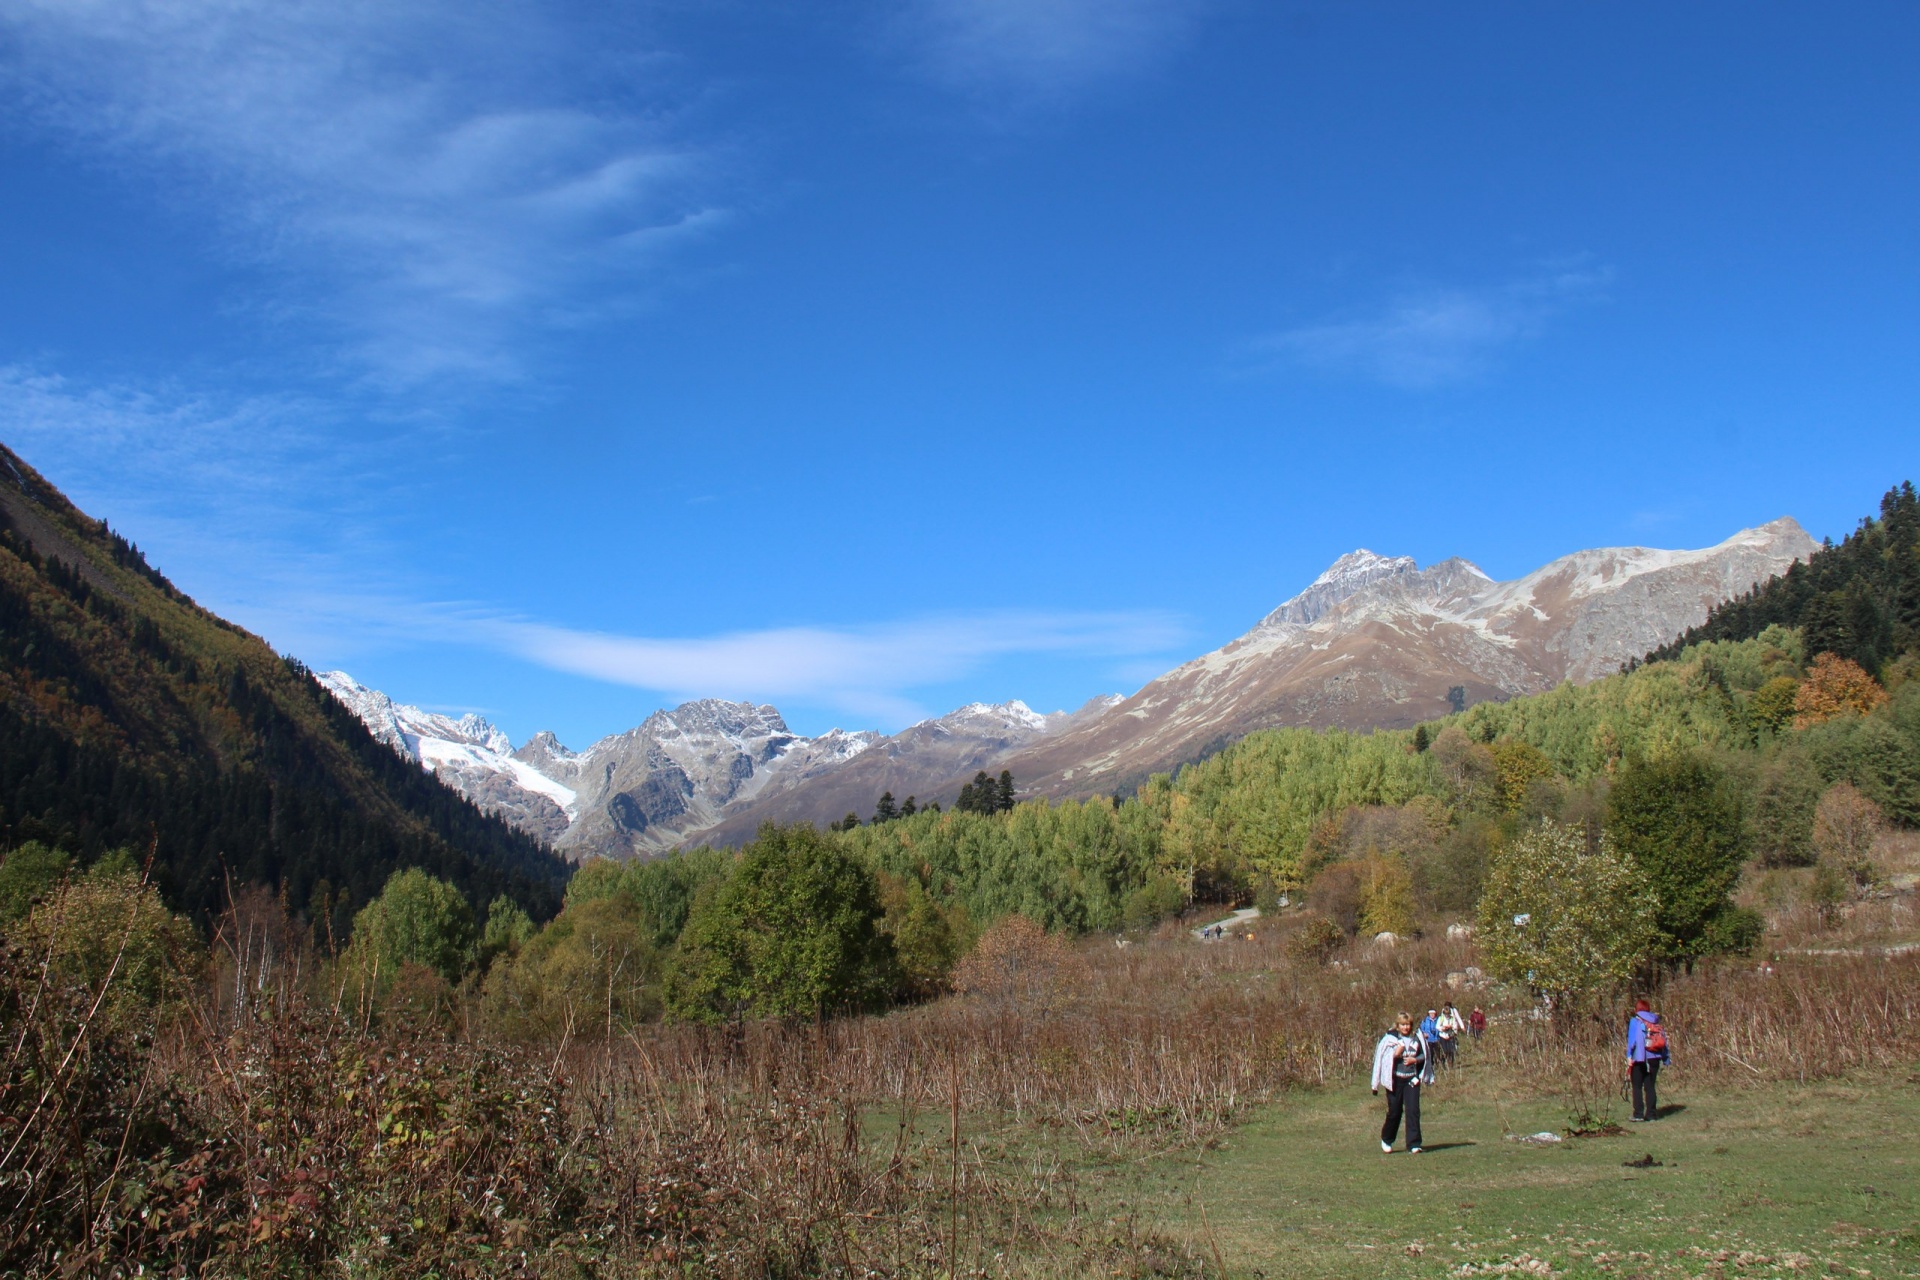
1647	1052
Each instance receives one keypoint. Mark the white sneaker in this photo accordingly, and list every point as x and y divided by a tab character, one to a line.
1386	1148
1414	1151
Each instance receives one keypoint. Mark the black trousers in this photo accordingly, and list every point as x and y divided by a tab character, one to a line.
1646	1079
1403	1098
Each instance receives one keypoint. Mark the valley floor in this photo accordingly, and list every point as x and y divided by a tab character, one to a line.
1814	1179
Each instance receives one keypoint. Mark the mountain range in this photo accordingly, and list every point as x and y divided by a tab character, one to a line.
1373	642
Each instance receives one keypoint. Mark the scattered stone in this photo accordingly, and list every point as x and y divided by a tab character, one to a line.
1459	932
1544	1138
1386	939
1524	1265
1456	980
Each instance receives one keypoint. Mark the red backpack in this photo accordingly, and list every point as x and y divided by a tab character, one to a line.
1656	1041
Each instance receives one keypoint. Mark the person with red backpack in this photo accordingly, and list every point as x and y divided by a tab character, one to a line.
1647	1051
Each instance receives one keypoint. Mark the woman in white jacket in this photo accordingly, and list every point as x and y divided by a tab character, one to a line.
1401	1063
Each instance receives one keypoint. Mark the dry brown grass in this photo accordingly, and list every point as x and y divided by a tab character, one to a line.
1166	1041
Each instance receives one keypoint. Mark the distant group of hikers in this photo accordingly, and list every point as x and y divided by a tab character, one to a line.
1408	1056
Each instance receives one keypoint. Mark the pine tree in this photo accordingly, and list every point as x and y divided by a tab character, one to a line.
982	795
1004	793
885	810
1420	739
847	823
910	808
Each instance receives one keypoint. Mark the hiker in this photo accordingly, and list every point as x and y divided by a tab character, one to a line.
1400	1065
1450	1025
1646	1053
1477	1022
1430	1027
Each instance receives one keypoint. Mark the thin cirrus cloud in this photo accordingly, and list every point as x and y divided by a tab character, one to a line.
430	182
1041	48
1430	338
869	671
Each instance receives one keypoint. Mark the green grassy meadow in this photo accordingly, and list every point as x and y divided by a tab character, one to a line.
1796	1180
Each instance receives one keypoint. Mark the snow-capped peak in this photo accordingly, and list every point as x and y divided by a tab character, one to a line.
1014	714
392	722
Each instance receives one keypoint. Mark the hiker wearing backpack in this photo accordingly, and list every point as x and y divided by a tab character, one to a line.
1401	1063
1647	1052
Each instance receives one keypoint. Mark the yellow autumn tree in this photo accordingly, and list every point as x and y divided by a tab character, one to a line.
1517	764
1386	896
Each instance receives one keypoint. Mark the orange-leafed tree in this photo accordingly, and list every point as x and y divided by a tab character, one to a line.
1835	687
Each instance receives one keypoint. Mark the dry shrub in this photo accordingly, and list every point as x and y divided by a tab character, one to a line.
1015	960
1845	826
1162	1042
1337	894
88	1134
1316	941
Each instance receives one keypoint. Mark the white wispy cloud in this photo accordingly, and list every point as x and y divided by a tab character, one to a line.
431	180
865	670
1041	48
1431	337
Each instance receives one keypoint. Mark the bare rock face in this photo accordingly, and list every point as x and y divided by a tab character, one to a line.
1377	643
654	787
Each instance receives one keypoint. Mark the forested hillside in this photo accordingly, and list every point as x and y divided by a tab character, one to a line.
1860	599
131	717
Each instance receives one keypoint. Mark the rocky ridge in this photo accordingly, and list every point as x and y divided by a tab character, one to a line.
1379	643
643	791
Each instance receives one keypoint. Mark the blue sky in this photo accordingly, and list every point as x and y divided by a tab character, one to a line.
874	356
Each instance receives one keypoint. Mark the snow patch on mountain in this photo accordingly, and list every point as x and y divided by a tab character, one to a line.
469	754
